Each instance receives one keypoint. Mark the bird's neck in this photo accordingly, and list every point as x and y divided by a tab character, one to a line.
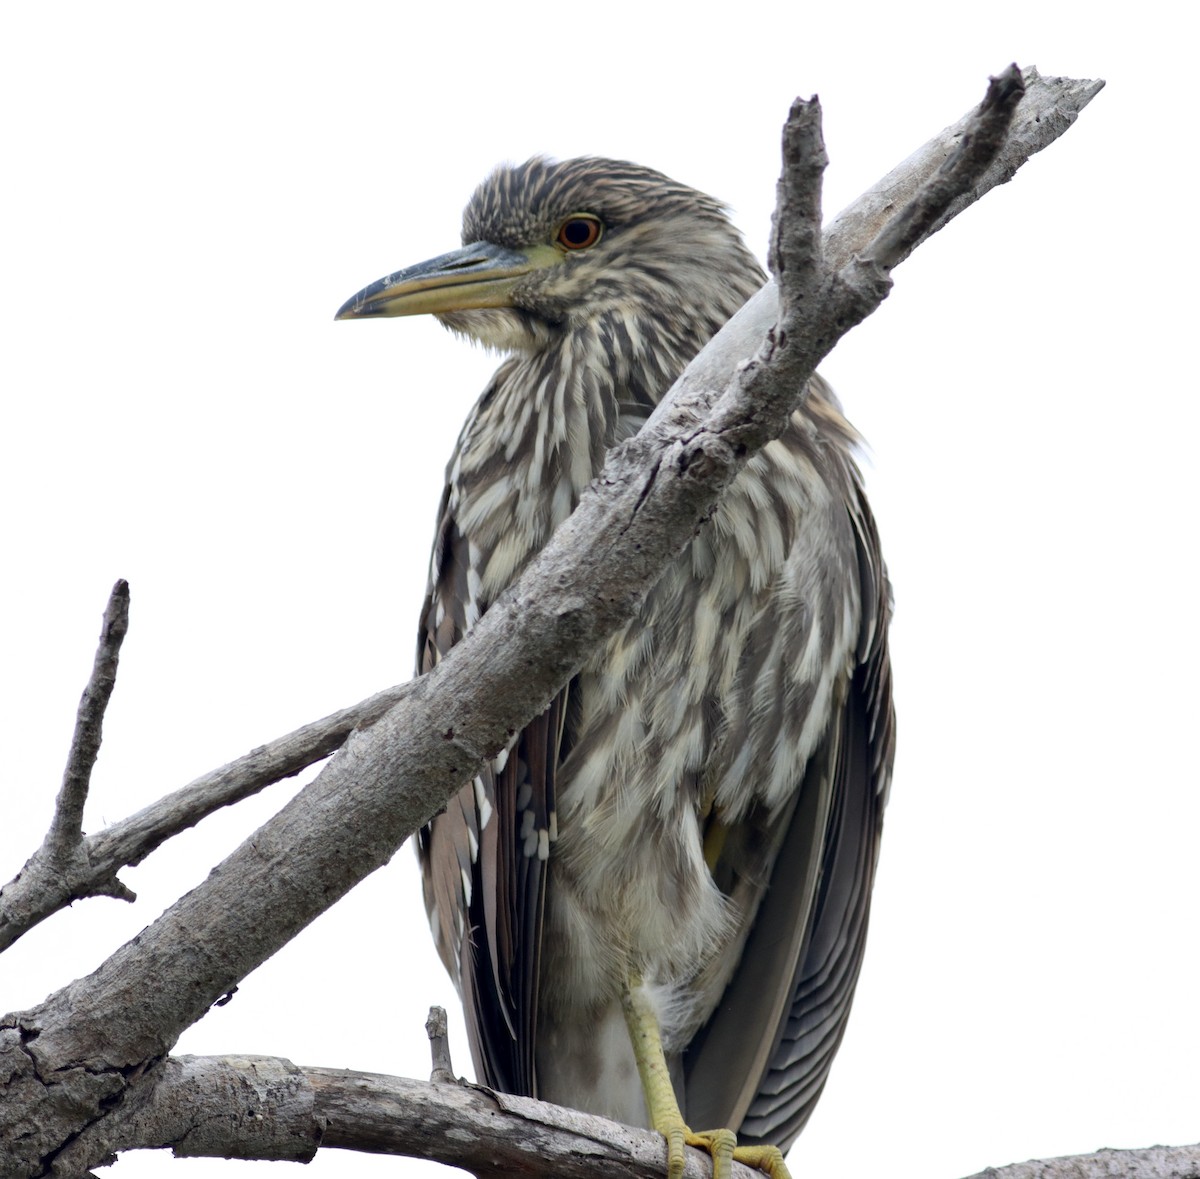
540	432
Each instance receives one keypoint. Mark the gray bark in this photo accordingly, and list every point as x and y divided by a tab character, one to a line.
265	1108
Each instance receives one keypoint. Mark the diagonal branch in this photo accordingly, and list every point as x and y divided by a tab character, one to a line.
816	305
978	147
1048	109
100	1041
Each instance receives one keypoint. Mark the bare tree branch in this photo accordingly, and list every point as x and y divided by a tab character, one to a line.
980	144
45	885
1049	108
260	1107
1151	1162
99	1044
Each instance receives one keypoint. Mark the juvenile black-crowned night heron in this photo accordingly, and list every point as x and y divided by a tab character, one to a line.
669	871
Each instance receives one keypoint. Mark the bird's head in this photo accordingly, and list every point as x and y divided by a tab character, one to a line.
549	245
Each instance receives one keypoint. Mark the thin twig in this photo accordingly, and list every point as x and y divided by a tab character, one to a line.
764	392
45	884
437	1029
131	840
66	829
795	252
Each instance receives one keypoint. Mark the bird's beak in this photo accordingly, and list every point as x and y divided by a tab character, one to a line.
478	275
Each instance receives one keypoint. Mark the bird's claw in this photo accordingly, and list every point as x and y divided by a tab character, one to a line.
763	1158
722	1145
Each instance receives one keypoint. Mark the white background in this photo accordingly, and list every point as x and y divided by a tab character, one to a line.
189	194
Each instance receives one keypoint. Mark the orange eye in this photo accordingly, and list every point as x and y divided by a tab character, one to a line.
579	232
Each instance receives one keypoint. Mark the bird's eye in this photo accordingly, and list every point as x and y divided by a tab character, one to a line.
579	232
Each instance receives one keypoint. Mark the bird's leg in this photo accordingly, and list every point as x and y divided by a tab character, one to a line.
665	1115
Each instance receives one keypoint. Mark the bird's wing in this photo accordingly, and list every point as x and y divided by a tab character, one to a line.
483	859
762	1059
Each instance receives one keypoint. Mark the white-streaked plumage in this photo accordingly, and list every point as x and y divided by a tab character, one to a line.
700	807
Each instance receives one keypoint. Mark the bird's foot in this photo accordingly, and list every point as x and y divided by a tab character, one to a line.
719	1143
663	1107
722	1145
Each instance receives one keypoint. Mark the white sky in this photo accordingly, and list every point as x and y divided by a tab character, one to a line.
190	194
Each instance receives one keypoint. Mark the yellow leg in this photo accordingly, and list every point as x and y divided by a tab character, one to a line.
665	1115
